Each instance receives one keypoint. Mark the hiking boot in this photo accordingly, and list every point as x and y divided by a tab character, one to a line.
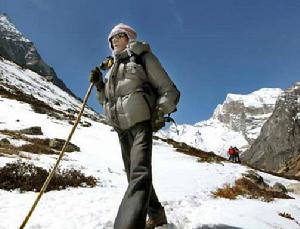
156	220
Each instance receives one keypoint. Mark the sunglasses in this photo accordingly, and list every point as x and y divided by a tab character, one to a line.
118	36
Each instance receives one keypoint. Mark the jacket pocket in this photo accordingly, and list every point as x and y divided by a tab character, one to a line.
135	71
136	108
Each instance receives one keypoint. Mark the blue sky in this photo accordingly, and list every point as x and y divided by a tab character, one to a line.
208	47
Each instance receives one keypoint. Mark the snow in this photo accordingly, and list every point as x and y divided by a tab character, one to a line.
10	27
183	185
258	98
210	136
236	122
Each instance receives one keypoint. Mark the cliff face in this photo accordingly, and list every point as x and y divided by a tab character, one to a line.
278	146
247	113
15	47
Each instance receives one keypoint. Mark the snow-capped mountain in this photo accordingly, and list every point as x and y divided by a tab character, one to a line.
278	146
181	181
184	185
236	122
16	47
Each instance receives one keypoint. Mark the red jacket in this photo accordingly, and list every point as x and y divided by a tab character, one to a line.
231	151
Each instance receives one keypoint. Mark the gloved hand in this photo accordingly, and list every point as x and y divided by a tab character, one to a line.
158	120
95	76
107	63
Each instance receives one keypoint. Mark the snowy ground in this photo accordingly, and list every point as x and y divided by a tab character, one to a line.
184	185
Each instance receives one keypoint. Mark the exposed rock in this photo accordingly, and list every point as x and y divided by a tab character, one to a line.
247	113
4	142
35	130
59	143
295	188
277	149
85	124
256	179
278	187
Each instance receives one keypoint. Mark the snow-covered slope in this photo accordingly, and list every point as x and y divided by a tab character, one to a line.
184	185
237	122
16	79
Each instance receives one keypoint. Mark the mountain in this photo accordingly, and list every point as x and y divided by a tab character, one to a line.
278	146
185	184
197	189
236	122
15	47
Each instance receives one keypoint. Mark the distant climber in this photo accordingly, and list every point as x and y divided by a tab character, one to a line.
236	155
233	153
230	152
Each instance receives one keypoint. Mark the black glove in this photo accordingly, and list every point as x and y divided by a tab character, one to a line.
158	120
95	76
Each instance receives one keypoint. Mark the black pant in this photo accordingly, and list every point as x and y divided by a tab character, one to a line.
140	197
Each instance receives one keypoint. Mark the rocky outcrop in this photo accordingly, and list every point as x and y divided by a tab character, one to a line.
15	47
247	113
277	148
59	143
35	130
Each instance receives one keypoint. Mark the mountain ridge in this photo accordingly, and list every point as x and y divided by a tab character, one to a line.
15	47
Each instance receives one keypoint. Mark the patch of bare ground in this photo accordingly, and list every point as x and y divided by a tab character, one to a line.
245	187
34	145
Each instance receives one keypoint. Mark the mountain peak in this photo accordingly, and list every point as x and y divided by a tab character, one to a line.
8	29
237	121
20	50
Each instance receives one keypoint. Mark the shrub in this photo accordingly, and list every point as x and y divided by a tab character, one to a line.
28	177
245	187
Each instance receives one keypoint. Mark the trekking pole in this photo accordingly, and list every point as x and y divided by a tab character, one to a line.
59	158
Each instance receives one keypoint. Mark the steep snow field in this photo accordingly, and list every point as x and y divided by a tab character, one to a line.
183	185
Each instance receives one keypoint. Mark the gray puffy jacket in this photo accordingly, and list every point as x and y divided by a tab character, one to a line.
134	90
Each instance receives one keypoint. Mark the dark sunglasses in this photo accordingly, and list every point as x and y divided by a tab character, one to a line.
118	36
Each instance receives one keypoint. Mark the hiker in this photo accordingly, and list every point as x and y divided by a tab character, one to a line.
136	94
231	152
236	155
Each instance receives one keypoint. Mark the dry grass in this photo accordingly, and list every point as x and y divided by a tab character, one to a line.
37	105
37	149
28	177
244	187
8	151
35	145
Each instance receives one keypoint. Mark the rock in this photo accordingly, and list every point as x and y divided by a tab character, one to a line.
85	124
57	103
59	143
35	130
295	188
4	142
278	187
278	146
256	179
